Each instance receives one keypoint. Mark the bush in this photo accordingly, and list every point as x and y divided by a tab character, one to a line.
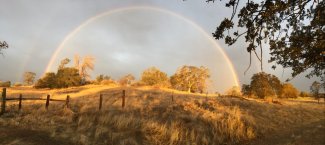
289	91
101	78
153	76
305	94
108	82
234	91
48	81
138	84
18	84
263	84
5	84
66	77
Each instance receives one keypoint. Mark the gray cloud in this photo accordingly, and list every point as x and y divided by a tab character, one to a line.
122	43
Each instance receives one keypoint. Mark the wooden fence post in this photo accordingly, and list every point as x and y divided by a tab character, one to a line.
3	105
172	96
123	99
20	101
67	101
100	101
206	97
47	102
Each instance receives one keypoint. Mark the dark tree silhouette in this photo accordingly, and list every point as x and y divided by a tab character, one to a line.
294	31
3	45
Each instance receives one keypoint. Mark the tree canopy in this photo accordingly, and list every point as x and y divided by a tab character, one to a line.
48	81
294	31
190	78
263	84
315	89
289	91
29	78
65	77
153	76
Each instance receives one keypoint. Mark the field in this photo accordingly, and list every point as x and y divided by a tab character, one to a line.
158	116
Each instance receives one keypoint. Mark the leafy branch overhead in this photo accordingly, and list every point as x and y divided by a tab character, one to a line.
294	31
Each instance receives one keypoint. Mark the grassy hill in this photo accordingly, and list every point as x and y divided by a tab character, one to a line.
153	116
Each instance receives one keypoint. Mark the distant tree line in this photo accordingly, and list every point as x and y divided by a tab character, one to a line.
266	85
187	78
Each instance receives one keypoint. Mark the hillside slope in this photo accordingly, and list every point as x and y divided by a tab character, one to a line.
153	116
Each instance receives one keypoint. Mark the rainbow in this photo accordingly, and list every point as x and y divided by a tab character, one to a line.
114	11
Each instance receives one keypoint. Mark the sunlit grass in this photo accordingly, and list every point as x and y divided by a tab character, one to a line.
151	117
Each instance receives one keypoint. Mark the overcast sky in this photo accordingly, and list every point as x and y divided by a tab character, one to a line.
124	42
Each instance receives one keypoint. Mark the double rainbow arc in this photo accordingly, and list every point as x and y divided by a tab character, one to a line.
114	11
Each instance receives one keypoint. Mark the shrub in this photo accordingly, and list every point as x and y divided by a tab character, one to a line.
5	84
289	91
305	94
234	91
108	82
48	81
66	77
18	84
263	84
153	76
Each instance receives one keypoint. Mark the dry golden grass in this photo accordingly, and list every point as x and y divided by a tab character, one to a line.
151	117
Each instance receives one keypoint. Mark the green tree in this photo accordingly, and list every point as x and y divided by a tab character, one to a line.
315	89
153	76
289	91
48	81
263	84
29	78
68	77
190	78
294	31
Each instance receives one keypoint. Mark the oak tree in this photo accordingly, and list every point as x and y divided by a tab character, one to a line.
263	84
154	77
289	91
29	78
315	89
293	30
190	78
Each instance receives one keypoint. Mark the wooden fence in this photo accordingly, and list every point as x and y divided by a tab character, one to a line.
48	99
4	100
